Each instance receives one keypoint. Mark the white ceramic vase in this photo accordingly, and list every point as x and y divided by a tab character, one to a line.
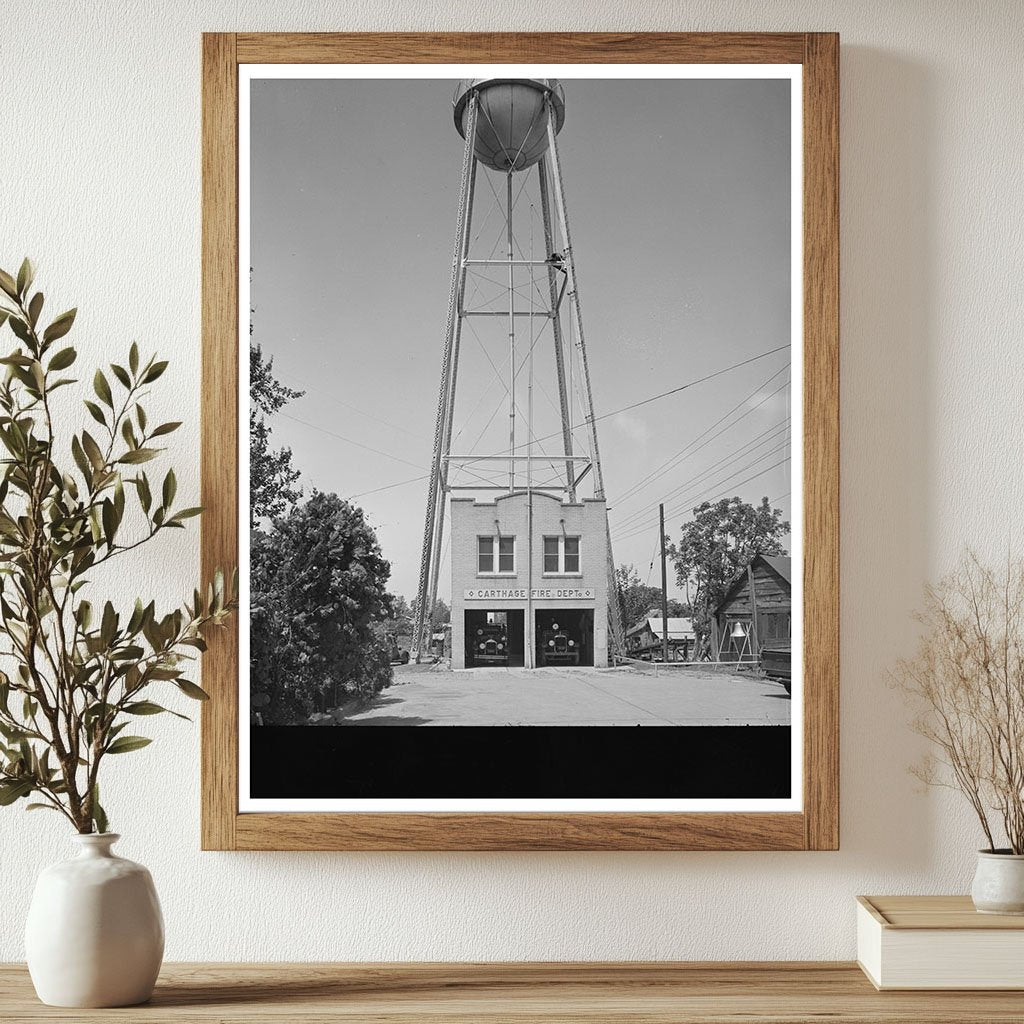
999	883
95	934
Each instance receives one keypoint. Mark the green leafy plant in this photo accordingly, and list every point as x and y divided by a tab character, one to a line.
81	672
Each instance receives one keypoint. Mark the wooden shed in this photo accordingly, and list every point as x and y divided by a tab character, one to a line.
759	603
644	640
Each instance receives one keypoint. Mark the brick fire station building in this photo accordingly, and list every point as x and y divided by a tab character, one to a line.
529	581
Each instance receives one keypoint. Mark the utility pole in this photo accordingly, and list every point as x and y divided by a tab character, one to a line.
664	589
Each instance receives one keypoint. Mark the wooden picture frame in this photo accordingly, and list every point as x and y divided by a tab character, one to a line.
816	827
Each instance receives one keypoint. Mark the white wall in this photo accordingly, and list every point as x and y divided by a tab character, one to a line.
99	181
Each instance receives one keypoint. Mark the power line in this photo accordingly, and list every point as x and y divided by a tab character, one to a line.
674	460
388	487
704	496
348	440
346	405
692	383
655	398
745	449
702	492
714	494
776	465
614	412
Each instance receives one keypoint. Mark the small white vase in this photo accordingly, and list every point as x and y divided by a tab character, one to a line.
95	934
999	883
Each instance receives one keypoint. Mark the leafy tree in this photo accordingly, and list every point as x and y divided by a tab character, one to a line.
71	501
636	599
271	475
318	587
716	545
440	615
400	614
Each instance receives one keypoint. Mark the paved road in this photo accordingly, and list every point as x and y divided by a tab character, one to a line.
423	695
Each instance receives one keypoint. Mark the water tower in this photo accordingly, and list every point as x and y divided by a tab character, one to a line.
514	288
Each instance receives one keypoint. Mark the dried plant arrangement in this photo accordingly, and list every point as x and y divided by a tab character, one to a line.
966	683
81	670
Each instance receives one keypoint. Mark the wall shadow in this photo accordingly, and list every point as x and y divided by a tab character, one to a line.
887	286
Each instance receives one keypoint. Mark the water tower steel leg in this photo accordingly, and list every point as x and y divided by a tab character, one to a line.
446	445
614	616
618	639
434	487
556	326
574	299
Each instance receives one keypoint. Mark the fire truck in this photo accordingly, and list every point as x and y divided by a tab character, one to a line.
559	646
492	644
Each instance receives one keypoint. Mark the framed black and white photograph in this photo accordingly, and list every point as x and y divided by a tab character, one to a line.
533	431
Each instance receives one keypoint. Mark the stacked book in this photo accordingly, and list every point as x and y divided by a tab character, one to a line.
938	942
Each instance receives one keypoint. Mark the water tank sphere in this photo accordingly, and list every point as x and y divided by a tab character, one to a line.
512	116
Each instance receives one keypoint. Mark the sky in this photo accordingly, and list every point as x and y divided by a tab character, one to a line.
678	194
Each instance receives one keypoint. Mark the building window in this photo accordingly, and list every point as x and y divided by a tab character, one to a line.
551	546
571	551
561	556
496	556
506	554
485	554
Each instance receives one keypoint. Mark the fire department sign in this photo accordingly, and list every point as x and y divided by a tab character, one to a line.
537	594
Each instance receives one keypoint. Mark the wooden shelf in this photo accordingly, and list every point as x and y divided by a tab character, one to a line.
661	993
